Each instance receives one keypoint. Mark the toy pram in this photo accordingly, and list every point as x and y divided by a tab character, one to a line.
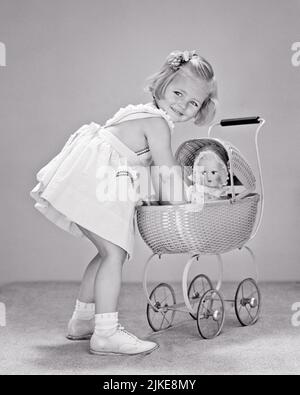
218	227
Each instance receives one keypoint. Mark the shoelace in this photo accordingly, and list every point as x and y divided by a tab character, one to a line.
123	331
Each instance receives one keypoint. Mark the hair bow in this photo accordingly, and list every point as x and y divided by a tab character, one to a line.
178	58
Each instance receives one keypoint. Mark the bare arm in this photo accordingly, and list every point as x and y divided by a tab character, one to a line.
166	173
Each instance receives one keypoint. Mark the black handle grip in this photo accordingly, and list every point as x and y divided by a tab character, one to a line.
239	121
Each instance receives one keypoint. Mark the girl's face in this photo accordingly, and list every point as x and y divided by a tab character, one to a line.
183	97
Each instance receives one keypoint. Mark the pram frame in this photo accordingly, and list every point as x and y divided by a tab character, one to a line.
186	305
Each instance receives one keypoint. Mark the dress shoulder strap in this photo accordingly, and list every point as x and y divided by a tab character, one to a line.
137	112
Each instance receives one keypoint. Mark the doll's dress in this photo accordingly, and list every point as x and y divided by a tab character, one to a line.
75	187
200	193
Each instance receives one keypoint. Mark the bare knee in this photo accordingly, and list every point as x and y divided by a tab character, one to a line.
106	249
115	254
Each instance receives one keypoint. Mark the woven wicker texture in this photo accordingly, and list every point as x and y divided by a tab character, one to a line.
187	152
219	227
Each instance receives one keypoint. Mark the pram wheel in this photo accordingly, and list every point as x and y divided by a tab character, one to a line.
210	314
160	315
197	288
247	302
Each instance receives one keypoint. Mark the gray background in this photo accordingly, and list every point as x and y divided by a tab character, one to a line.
72	62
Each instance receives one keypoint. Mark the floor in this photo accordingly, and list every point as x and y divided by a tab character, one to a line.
33	340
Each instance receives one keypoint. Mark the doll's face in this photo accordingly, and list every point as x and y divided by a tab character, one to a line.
208	173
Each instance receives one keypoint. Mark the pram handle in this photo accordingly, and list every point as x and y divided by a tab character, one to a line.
245	121
239	121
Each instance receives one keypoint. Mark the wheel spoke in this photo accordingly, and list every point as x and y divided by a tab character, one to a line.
242	289
154	315
203	286
252	318
204	307
164	299
193	286
165	293
162	322
253	293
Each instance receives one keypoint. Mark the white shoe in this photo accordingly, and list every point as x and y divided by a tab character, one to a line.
80	329
120	342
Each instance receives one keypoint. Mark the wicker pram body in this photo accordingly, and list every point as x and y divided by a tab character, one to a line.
217	226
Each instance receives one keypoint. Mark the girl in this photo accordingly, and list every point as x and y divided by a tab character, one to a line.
70	190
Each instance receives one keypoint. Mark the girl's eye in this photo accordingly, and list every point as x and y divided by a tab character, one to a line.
213	172
177	93
194	104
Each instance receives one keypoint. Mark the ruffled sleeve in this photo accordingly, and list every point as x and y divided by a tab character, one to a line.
138	111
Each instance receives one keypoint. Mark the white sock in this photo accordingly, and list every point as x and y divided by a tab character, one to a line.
106	324
84	311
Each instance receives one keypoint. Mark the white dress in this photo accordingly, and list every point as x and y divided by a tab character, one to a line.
71	190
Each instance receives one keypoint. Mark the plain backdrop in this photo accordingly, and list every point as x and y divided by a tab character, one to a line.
69	62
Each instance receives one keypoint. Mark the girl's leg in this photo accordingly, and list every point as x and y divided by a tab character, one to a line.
82	324
109	337
102	281
86	291
108	279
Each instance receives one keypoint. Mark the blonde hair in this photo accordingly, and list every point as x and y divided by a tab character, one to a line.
191	63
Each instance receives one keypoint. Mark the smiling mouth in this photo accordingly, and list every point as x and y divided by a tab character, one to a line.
177	112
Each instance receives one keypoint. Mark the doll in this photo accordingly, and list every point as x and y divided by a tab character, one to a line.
210	176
